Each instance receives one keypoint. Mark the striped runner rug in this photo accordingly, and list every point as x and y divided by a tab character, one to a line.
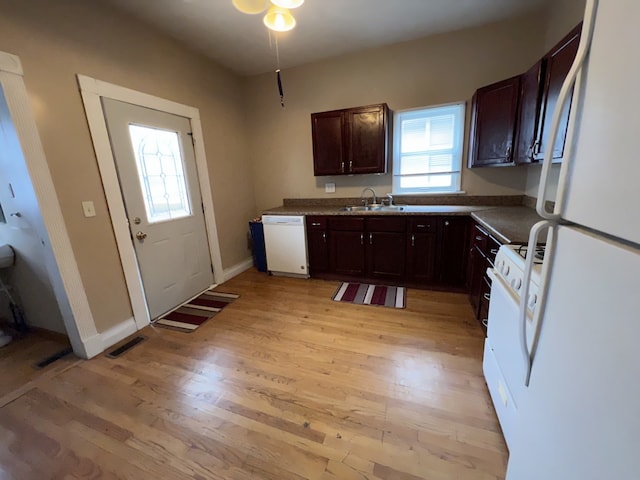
191	315
365	294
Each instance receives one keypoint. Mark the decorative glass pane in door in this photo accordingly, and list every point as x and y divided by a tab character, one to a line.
161	173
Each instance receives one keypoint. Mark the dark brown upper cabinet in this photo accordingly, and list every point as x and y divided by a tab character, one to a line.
493	124
351	141
531	83
557	65
328	134
511	119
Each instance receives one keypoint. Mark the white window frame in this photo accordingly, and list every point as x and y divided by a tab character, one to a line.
456	169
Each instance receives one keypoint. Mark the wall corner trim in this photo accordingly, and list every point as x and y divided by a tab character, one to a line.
61	263
237	269
102	341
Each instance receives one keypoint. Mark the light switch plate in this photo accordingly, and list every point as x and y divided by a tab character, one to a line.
88	209
329	188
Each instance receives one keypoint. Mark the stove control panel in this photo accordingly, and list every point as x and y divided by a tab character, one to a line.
509	265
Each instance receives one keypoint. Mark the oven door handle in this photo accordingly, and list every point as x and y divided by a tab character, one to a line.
524	295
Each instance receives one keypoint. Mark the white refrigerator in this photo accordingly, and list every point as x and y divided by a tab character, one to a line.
580	416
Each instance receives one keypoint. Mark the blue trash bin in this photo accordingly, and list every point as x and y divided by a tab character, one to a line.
259	251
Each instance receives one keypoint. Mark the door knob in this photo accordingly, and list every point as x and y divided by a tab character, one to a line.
141	235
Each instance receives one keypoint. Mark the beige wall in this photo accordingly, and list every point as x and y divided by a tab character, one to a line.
438	69
57	40
562	17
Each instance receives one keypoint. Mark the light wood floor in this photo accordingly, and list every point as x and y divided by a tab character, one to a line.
283	384
17	359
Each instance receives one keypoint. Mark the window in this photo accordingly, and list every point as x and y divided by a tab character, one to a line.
427	149
161	173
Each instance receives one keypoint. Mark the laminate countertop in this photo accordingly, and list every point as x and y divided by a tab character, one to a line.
506	224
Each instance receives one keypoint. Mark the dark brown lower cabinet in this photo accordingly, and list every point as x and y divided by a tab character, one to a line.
420	250
347	254
477	265
317	245
385	247
482	256
453	251
485	298
422	243
346	245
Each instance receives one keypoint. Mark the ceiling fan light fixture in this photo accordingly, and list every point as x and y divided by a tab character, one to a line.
252	7
279	19
287	3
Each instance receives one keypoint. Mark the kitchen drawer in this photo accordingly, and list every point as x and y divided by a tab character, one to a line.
485	298
479	238
316	222
348	224
493	246
386	224
423	225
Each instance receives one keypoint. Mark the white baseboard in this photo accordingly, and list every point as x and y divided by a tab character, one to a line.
100	342
237	269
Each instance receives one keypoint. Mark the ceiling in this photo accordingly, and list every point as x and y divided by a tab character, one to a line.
326	28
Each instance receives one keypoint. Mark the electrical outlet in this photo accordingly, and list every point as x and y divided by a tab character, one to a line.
89	209
329	188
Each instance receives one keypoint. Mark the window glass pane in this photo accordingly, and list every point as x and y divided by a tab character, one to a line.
441	132
428	149
415	164
414	135
161	173
426	181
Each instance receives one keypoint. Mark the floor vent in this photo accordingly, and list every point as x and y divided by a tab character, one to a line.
52	358
127	346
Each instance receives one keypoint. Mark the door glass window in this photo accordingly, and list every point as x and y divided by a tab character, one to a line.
161	173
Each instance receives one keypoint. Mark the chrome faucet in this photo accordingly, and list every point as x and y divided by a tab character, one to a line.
390	197
375	197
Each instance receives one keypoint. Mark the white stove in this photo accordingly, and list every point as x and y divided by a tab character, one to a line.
503	364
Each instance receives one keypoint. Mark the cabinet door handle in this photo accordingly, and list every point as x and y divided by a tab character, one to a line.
362	239
446	224
342	167
324	237
537	146
351	165
485	322
494	251
413	240
487	297
421	226
314	224
507	154
371	239
479	238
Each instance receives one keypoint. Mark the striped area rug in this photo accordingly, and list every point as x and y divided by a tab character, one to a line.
365	294
194	313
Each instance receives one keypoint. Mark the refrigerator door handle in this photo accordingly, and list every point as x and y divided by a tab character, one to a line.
581	56
524	294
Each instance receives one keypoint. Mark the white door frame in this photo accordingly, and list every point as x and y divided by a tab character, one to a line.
59	257
92	90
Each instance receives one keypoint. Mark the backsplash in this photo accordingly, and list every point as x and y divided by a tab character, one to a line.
470	200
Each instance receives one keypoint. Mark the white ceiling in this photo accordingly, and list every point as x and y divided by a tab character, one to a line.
326	28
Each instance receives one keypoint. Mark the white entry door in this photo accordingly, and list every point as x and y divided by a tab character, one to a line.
156	167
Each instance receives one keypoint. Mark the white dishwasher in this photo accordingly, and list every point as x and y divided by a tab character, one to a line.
285	241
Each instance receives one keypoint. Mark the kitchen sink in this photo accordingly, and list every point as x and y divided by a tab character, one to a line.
388	208
373	208
355	208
